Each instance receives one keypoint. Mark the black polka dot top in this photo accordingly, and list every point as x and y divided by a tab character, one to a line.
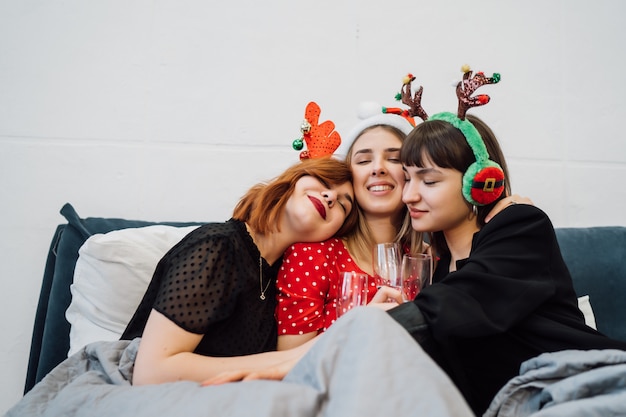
209	284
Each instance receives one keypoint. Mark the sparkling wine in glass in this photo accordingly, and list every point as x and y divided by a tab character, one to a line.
352	291
416	273
387	259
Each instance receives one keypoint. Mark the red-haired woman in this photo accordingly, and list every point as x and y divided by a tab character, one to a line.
210	304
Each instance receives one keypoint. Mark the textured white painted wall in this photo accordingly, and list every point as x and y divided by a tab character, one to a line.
171	109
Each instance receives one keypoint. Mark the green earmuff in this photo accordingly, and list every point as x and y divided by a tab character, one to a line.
483	181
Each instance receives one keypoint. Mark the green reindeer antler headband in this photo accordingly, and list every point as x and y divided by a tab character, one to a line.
483	182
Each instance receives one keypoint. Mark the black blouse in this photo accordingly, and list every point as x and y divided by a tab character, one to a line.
209	284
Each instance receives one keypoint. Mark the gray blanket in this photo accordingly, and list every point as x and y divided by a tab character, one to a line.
365	365
567	383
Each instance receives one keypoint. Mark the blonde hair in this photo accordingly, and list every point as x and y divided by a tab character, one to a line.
359	241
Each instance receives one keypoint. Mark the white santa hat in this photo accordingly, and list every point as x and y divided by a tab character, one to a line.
371	114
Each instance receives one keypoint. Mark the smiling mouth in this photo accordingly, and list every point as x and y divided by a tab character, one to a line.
415	213
318	206
376	188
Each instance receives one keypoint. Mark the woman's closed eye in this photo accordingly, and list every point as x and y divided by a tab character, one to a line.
345	208
393	156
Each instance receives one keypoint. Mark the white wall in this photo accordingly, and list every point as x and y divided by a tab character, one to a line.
171	109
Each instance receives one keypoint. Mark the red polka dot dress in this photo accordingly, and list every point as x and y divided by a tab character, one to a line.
307	286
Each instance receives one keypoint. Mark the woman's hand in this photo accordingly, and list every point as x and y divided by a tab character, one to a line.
276	372
505	202
386	298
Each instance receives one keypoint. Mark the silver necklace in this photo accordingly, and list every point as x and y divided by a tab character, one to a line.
262	296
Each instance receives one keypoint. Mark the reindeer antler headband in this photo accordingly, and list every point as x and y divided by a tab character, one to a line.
483	182
321	139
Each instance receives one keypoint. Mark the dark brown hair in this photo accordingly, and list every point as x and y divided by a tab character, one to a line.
445	146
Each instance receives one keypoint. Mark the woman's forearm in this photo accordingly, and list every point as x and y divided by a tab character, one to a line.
194	367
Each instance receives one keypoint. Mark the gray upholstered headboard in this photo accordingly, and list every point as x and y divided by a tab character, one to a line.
596	258
50	339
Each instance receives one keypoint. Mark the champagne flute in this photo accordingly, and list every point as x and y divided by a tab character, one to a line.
352	291
387	258
416	274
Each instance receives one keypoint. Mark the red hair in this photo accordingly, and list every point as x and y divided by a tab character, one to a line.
263	205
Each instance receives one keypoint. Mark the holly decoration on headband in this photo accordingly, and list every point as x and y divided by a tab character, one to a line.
321	139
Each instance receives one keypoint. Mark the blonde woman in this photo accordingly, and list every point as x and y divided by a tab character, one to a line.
308	279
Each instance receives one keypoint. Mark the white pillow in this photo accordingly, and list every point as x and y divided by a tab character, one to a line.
112	273
585	306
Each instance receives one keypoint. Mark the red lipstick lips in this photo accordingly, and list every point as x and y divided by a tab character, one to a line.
319	206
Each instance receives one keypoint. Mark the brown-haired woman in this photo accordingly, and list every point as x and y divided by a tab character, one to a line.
210	305
501	292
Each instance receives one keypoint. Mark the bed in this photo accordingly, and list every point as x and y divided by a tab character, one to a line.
56	329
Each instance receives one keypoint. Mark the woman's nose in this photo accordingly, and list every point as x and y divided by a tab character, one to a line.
330	196
410	193
379	168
